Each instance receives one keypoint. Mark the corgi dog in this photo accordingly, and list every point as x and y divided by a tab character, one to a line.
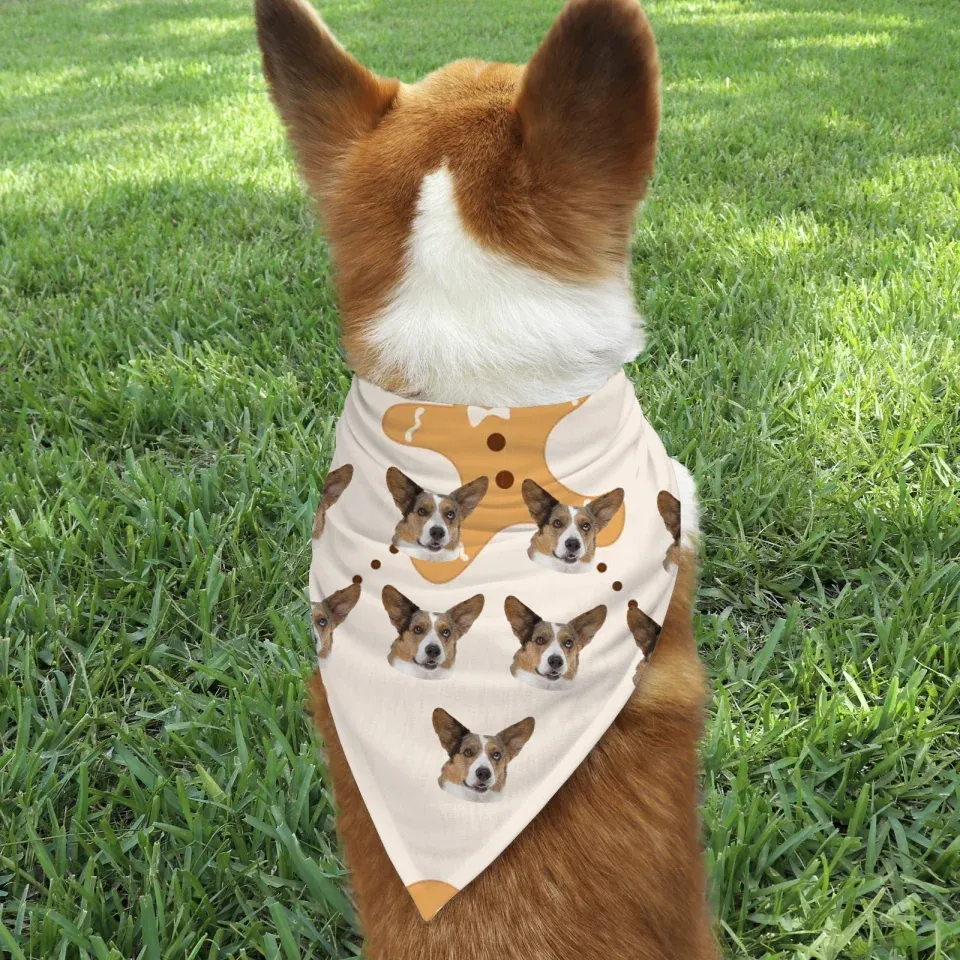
426	645
566	536
337	481
479	223
430	526
549	654
328	614
476	766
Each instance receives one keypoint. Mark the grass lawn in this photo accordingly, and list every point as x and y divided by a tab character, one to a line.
169	379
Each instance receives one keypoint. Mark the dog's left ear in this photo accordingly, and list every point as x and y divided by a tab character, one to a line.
538	501
399	608
515	736
523	621
587	624
450	730
403	490
468	496
337	481
645	630
463	614
326	99
603	508
342	602
669	507
588	110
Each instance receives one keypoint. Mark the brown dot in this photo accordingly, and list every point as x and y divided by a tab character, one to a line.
617	585
357	578
375	564
393	549
633	603
504	479
602	567
496	441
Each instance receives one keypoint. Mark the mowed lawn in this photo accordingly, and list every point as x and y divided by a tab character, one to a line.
169	380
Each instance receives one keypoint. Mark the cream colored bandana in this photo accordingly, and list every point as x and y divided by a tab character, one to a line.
487	585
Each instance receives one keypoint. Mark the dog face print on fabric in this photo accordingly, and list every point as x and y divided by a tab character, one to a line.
328	614
426	643
476	765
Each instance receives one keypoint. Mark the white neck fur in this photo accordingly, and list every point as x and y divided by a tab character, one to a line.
470	326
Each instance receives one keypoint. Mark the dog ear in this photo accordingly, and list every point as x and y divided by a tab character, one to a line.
587	624
538	501
588	109
399	608
523	620
645	631
603	508
470	494
403	490
342	602
463	614
669	507
325	98
515	736
450	731
337	481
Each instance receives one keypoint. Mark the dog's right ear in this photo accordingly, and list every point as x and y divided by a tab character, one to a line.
450	731
326	99
669	508
645	630
403	490
342	602
399	608
337	481
523	621
538	501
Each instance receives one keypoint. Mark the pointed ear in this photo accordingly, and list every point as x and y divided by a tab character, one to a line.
515	736
603	508
587	624
450	731
337	481
645	631
589	111
403	490
470	494
669	507
342	602
399	608
326	99
538	501
463	614
522	619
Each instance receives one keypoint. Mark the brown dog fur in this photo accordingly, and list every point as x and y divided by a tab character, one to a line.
638	786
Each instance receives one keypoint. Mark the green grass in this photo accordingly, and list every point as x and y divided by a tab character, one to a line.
169	378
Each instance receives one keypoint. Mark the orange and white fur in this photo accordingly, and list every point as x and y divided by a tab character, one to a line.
479	223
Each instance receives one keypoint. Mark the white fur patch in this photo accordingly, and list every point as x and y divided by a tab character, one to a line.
689	508
467	325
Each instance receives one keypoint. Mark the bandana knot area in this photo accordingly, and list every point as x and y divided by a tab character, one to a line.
487	586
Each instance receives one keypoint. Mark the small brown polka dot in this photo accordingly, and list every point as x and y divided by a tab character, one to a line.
357	578
375	564
602	567
393	549
504	479
617	585
633	603
496	441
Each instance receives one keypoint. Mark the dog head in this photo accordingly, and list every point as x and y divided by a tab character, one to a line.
430	526
531	175
566	536
646	632
328	614
426	644
476	767
337	481
549	654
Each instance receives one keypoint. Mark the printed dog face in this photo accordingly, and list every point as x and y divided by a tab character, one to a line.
566	537
337	481
476	768
430	526
646	632
669	507
549	654
426	646
328	614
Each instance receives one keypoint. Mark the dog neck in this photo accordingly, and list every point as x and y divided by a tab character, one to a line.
469	325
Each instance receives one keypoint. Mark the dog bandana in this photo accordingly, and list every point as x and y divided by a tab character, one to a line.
487	586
